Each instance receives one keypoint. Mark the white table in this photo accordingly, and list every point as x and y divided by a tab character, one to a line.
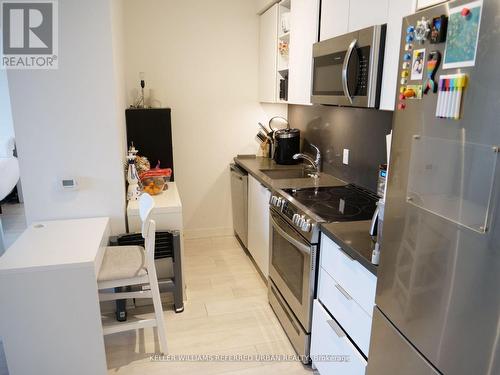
167	214
50	321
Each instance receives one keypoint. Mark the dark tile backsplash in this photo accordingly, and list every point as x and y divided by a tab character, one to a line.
333	129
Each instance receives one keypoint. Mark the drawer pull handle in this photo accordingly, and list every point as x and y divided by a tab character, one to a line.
336	328
340	333
343	291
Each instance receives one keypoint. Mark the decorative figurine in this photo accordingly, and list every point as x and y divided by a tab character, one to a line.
133	190
422	30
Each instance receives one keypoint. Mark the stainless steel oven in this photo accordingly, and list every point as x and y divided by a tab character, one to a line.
295	216
348	68
292	273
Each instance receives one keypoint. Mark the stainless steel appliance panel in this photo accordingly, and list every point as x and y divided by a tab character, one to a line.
347	69
404	358
239	196
438	280
293	268
299	338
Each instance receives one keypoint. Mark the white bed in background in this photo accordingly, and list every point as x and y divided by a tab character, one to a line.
9	170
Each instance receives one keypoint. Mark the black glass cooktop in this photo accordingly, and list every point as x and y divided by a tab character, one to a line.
337	203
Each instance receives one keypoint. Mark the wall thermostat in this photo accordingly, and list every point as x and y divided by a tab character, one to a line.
69	184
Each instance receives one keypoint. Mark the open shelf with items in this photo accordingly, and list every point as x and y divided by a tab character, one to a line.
283	47
284	72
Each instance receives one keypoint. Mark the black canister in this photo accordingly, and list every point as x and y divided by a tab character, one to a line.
286	144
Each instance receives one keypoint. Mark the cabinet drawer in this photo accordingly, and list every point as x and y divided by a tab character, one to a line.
353	319
328	339
350	274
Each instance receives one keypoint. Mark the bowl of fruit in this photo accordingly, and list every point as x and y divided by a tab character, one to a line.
155	180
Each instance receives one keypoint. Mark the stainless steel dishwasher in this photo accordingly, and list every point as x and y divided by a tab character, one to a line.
239	194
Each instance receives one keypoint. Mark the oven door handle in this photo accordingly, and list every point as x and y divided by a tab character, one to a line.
345	66
295	242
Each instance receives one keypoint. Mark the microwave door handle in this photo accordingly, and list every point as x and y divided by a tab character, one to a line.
299	245
347	57
374	222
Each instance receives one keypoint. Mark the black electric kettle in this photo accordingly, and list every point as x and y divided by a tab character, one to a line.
286	143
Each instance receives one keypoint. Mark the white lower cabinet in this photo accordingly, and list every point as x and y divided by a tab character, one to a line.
258	223
346	310
331	350
359	283
342	314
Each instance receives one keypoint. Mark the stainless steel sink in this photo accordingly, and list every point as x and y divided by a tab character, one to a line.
281	174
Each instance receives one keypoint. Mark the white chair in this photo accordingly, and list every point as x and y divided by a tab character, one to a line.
134	265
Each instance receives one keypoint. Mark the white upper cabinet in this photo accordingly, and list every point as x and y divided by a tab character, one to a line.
304	19
334	18
268	55
288	31
427	3
337	17
262	5
365	13
397	10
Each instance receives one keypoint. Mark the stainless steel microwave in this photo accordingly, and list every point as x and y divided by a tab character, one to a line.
348	68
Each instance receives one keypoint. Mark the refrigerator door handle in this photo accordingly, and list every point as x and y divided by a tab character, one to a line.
374	222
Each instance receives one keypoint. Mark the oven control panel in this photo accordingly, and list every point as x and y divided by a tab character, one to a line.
301	222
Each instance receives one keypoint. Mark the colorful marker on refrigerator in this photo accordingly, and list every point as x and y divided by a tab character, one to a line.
440	101
450	90
460	88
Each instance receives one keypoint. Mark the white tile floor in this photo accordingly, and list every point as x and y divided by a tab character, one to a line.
227	313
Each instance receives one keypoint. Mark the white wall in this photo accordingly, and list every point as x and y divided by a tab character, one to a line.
67	123
6	127
201	58
118	41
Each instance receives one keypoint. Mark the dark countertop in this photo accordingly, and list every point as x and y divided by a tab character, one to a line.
253	165
354	240
351	236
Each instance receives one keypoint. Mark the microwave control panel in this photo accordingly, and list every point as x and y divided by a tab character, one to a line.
363	66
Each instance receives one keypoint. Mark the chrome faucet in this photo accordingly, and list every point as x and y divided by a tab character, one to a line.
315	163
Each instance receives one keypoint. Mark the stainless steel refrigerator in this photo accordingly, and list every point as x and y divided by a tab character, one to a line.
438	293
